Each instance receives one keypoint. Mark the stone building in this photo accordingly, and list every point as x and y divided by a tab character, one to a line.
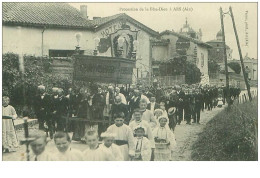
186	44
56	29
216	53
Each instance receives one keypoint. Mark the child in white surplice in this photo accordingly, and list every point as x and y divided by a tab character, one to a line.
94	152
164	141
124	137
143	148
108	139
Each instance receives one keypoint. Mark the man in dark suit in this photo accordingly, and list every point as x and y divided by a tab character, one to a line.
41	106
198	101
180	104
153	105
147	93
134	101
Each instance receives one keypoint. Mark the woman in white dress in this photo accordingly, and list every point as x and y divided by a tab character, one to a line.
10	141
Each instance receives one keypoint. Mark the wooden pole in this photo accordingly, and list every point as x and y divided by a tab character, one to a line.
225	56
240	54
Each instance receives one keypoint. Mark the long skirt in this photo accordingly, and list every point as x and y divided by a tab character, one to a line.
162	154
9	136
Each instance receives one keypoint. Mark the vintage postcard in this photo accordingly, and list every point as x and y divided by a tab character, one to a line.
129	81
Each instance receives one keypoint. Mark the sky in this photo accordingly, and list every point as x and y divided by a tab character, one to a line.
204	16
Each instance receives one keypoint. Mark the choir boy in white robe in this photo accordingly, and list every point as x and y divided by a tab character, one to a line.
143	148
164	141
108	139
94	152
123	136
62	141
10	141
38	145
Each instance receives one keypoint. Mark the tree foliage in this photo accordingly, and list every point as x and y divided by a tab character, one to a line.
37	71
179	66
235	66
192	74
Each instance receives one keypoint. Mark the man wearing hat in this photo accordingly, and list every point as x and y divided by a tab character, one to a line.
42	106
172	118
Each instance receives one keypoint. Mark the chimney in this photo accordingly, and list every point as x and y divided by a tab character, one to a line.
94	18
83	11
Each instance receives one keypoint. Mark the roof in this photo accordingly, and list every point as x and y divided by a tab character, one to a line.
196	41
43	14
58	15
98	23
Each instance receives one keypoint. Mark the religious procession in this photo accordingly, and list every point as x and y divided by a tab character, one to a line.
112	86
144	121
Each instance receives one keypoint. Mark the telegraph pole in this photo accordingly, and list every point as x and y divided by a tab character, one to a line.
225	55
240	54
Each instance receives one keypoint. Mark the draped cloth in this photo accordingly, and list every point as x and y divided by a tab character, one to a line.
9	137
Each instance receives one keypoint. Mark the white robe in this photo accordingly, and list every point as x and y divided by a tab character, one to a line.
45	156
146	149
69	155
124	133
98	154
149	117
9	136
164	154
115	151
133	124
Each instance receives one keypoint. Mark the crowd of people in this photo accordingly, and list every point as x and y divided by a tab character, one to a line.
144	120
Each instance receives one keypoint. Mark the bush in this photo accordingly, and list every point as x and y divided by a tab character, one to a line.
37	72
230	136
180	66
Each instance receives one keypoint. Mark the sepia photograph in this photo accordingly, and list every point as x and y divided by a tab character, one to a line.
117	81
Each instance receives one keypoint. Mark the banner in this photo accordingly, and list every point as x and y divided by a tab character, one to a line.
103	69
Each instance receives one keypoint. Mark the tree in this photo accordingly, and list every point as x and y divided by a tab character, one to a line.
192	74
37	72
235	66
179	66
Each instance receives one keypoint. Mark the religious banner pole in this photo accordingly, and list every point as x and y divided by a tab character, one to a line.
240	54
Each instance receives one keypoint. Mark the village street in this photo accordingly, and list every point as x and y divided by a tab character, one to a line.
185	135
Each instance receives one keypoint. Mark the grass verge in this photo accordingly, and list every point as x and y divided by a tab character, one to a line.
230	136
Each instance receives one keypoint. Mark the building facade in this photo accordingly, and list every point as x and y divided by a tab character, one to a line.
56	29
186	44
216	53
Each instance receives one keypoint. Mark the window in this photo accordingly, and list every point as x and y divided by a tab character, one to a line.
202	59
62	53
